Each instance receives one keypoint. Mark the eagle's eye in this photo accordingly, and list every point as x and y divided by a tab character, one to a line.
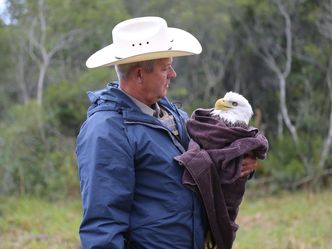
234	103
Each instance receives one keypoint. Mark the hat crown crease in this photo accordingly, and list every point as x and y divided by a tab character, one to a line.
130	40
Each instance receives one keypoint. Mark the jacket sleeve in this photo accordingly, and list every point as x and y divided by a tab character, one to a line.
107	174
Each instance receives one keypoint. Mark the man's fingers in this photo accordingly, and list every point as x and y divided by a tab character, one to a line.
248	166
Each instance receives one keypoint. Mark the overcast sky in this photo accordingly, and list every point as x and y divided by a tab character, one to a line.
5	18
2	5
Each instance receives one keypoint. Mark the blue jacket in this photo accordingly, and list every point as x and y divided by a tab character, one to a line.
131	186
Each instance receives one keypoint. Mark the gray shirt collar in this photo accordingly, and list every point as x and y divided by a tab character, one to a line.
143	107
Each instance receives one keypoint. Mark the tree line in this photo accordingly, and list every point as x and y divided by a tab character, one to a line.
277	53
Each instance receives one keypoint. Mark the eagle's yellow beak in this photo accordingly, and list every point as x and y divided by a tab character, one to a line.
221	104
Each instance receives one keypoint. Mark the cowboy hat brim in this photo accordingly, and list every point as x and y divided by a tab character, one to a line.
182	44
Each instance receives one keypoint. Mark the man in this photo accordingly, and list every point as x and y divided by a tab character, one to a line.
131	185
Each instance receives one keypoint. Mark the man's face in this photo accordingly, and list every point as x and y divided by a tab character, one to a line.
156	83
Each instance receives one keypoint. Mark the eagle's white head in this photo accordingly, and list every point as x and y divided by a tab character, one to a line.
234	109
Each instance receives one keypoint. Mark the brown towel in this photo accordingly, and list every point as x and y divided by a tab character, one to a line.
213	166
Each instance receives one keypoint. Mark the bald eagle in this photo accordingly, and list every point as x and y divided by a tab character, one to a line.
233	109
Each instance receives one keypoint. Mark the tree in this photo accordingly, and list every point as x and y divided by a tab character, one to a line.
276	36
40	39
40	49
325	28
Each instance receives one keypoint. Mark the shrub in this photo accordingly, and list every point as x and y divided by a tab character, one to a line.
33	158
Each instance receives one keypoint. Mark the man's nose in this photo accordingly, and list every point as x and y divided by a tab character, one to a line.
171	73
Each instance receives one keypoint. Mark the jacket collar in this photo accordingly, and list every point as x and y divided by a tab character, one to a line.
112	98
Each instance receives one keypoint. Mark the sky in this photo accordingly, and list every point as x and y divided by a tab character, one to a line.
2	5
2	8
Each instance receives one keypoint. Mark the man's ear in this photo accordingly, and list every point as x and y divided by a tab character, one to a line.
139	73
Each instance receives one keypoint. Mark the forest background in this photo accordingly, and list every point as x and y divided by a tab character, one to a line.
277	53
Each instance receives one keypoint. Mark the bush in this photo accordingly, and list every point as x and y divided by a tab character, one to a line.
35	159
66	102
284	166
37	143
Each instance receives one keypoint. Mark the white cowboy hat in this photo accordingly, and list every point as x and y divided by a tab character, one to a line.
144	38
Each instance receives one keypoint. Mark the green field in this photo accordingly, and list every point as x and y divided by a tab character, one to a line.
288	221
36	224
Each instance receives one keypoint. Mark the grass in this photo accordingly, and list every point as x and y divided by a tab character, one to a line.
34	224
288	221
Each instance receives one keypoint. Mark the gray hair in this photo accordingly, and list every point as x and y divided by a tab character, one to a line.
123	70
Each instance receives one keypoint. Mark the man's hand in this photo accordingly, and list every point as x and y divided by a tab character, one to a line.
249	165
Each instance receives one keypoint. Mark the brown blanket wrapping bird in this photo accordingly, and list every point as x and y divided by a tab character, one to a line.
213	166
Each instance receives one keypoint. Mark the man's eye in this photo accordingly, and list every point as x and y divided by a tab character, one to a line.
234	103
